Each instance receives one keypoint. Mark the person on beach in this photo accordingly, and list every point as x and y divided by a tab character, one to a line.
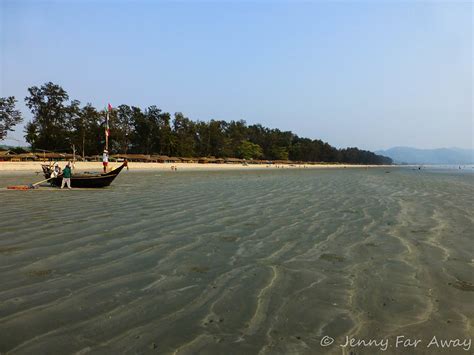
105	160
67	173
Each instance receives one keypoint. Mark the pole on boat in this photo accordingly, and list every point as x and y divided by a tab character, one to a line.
28	187
105	158
107	129
83	138
73	156
107	132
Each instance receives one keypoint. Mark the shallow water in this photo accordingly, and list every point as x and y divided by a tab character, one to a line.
234	262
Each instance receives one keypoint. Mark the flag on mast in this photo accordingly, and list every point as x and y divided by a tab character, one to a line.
107	128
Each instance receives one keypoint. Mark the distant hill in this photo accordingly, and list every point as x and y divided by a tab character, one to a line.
407	155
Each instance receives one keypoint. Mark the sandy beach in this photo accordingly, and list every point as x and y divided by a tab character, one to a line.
263	261
35	166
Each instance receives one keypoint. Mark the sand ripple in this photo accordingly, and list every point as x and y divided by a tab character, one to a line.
258	262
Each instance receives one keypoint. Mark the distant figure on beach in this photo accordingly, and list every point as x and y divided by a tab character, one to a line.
105	160
67	176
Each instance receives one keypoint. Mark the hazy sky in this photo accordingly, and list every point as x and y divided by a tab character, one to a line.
371	74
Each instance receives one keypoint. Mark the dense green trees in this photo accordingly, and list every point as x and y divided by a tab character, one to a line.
58	124
52	117
249	150
184	143
9	116
87	132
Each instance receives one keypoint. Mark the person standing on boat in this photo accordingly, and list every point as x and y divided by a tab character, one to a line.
56	171
105	160
67	173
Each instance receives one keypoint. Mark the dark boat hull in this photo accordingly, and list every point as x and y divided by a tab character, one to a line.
85	180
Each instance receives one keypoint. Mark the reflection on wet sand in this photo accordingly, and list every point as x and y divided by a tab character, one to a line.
238	262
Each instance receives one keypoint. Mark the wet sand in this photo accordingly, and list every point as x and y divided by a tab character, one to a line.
238	262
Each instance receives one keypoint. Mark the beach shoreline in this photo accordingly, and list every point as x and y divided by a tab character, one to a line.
35	166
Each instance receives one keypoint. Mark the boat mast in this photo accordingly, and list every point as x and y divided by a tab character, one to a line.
107	129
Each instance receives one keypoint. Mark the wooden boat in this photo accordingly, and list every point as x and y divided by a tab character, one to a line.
88	180
85	180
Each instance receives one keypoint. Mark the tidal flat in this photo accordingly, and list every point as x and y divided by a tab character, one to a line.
238	262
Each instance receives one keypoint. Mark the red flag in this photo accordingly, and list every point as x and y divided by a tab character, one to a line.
107	129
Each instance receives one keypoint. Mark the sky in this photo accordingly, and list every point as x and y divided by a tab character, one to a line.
370	74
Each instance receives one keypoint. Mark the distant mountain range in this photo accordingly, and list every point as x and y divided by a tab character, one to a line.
407	155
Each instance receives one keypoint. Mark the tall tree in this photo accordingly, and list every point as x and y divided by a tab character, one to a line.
249	150
87	131
202	140
146	134
51	117
124	128
236	132
9	116
165	137
184	135
259	135
218	140
72	112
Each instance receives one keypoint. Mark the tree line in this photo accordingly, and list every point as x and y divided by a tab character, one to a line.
59	123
